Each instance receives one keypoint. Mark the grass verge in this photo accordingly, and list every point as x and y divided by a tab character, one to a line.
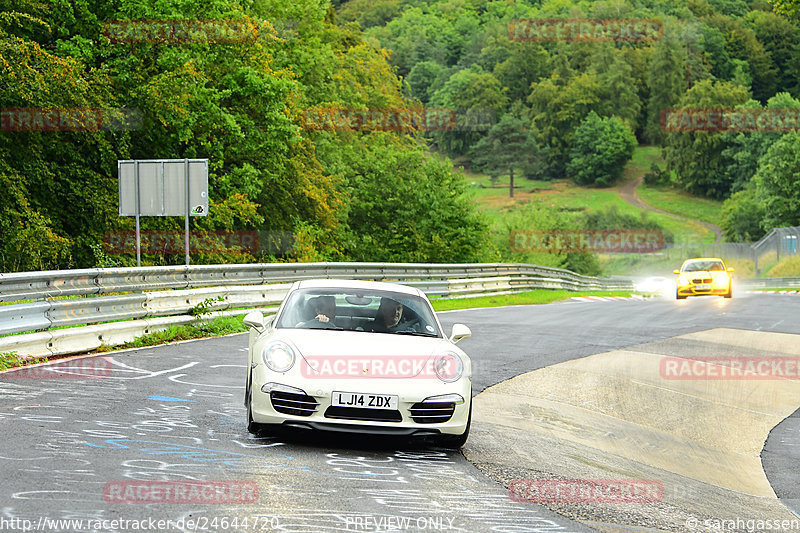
214	327
12	360
537	296
681	203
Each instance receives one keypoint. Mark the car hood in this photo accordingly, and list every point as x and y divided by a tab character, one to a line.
314	345
705	274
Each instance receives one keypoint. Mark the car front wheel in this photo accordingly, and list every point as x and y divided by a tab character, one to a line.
457	441
729	294
252	426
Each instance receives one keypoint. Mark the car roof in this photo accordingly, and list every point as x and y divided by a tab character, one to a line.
704	259
357	284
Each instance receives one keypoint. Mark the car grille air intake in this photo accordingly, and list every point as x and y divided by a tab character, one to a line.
432	412
360	413
290	403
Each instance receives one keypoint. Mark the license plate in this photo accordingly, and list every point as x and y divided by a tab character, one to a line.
701	287
365	401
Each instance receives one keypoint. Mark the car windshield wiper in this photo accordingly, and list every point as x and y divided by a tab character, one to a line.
418	333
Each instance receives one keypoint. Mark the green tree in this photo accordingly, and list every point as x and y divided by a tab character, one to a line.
696	158
468	93
620	93
778	182
741	43
405	206
742	214
558	107
781	40
508	146
600	149
790	8
744	149
665	79
526	64
424	77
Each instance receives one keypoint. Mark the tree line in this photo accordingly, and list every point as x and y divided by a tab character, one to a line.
343	195
580	106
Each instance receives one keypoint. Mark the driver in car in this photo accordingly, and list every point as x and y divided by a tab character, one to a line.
387	319
325	311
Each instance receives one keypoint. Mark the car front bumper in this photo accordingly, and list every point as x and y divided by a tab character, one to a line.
311	406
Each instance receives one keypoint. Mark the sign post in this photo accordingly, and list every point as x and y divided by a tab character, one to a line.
163	188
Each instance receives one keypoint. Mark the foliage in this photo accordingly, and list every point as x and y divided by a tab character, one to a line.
696	158
205	307
12	360
404	206
778	182
656	175
239	104
217	326
741	217
612	218
665	80
557	108
600	149
467	93
787	7
508	146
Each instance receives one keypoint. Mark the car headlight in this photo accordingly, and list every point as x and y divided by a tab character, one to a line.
278	356
448	367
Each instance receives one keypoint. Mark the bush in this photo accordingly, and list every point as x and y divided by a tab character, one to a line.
600	149
741	217
656	176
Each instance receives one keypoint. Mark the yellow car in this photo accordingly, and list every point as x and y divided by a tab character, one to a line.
702	276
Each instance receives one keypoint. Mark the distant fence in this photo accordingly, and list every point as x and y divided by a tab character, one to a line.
778	243
115	305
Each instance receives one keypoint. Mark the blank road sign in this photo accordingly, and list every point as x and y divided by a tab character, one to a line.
161	187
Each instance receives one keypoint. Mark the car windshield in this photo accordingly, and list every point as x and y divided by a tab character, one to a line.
373	311
703	266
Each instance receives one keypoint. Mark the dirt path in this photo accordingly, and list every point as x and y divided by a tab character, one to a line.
627	192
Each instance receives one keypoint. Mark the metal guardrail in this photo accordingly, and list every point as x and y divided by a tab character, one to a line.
163	296
36	285
770	283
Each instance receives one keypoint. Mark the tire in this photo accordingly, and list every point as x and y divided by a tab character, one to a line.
457	441
252	426
728	294
678	296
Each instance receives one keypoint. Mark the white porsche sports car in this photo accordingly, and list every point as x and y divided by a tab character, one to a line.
359	357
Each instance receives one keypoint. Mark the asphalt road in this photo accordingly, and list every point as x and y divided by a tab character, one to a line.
175	413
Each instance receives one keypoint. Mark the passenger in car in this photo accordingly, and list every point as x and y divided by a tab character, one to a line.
387	319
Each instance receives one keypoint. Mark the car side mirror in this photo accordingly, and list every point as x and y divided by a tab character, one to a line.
254	319
460	332
730	269
676	271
